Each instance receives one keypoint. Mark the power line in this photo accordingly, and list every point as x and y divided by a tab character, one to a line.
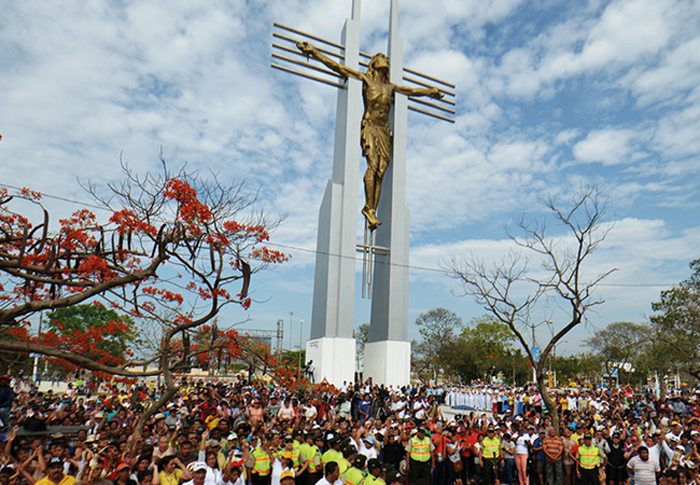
447	272
57	197
342	256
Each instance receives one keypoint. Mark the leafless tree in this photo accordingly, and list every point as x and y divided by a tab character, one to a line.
511	291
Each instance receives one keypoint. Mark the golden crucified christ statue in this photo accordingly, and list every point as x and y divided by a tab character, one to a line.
375	137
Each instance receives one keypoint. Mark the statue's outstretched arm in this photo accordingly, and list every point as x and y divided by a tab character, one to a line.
344	71
408	91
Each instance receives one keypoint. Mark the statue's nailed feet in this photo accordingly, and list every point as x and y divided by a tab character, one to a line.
371	216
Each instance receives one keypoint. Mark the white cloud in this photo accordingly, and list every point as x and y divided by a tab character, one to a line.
608	146
83	83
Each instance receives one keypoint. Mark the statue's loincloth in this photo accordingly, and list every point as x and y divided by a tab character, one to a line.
377	138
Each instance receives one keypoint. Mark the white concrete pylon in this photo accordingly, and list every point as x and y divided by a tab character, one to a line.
331	345
387	352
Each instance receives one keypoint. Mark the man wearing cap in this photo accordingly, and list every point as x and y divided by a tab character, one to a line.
313	458
439	454
374	468
199	473
419	457
675	433
260	464
55	475
287	478
298	460
367	447
301	461
354	475
615	469
96	467
333	453
589	459
123	472
491	454
540	457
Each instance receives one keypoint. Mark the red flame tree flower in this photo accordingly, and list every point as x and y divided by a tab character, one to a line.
174	250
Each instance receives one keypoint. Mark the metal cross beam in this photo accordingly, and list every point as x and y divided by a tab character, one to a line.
286	57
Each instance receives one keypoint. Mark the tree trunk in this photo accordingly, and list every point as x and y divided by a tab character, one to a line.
548	401
169	392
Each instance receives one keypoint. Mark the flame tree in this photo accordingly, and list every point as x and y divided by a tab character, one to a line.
174	250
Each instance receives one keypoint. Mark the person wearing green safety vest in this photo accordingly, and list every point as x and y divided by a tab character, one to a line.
298	460
333	453
490	456
354	475
306	448
301	464
589	459
349	453
419	457
374	469
314	459
260	463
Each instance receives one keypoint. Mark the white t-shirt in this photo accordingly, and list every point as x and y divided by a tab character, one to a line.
368	452
521	445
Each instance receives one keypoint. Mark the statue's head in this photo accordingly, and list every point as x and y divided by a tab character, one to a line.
379	64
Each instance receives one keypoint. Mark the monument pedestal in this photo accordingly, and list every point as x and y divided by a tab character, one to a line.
334	359
388	362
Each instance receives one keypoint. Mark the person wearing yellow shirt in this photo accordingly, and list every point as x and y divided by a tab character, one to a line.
171	472
212	421
55	475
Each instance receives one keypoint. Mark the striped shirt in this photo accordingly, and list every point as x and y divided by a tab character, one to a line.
644	471
553	447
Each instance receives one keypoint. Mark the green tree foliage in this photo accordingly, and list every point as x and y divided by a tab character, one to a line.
482	349
487	349
437	351
622	346
78	319
677	322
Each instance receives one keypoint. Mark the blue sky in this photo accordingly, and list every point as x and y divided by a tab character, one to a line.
550	95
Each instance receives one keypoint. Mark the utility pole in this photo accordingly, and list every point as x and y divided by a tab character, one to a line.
35	370
534	372
280	335
291	343
301	326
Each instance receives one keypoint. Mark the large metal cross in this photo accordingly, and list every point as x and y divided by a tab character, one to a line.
375	93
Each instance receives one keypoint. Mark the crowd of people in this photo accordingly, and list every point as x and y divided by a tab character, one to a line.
241	433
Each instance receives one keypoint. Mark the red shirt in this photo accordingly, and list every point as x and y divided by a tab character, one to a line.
439	441
466	441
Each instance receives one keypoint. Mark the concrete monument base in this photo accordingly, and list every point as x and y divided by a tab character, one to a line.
388	362
334	359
